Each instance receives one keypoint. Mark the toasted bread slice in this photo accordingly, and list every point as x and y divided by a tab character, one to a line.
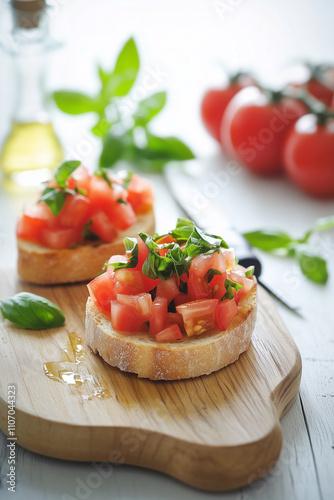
186	358
45	266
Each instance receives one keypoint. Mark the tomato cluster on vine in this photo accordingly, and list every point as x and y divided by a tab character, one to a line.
270	132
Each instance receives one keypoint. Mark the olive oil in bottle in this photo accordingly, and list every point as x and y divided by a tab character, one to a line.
31	150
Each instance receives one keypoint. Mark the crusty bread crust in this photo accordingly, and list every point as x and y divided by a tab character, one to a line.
45	266
186	358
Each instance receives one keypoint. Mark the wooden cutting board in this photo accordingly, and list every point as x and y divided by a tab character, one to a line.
215	432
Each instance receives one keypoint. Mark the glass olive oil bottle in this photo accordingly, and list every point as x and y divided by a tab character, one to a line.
31	150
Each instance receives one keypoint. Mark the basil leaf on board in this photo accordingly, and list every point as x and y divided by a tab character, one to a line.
65	170
75	103
148	108
311	264
31	311
54	198
268	240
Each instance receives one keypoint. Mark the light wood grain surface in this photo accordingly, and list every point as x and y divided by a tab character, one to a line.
214	432
181	43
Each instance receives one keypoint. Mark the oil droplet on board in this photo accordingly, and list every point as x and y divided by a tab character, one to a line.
73	370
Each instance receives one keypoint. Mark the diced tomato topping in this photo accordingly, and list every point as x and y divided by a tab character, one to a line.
125	318
128	281
172	332
198	316
247	283
75	212
121	215
100	193
198	286
218	285
40	211
113	259
29	228
102	227
140	194
168	288
229	257
165	239
182	298
225	312
141	303
101	289
149	283
158	319
80	179
175	318
58	238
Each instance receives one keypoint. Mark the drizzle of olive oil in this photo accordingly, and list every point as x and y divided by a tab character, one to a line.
73	370
30	153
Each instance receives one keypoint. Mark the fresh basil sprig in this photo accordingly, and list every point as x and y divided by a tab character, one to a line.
312	265
31	311
125	133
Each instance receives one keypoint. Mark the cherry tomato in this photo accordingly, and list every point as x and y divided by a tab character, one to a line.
254	128
309	156
215	102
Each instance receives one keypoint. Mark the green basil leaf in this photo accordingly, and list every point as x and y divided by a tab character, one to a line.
65	170
183	230
31	311
120	200
127	179
311	264
101	127
75	103
148	108
119	82
324	223
113	148
101	172
203	243
250	271
268	240
131	248
87	233
230	285
155	265
210	274
167	148
54	198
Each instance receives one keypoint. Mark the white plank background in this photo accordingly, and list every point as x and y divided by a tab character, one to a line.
186	39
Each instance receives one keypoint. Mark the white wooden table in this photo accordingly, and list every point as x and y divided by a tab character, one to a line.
305	469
